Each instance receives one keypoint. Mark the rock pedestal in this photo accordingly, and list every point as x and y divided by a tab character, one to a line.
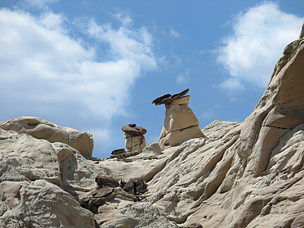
180	122
134	138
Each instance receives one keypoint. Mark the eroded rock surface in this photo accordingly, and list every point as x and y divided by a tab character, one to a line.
247	174
40	204
180	122
42	129
134	138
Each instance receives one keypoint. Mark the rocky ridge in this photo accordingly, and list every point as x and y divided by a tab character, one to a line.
247	174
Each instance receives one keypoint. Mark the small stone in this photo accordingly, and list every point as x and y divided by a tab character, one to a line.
118	151
103	181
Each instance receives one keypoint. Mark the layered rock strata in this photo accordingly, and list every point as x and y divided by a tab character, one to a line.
248	174
42	129
134	138
180	122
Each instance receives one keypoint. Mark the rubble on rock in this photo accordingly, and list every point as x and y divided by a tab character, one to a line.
109	188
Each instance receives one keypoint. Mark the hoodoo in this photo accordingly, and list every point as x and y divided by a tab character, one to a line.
180	122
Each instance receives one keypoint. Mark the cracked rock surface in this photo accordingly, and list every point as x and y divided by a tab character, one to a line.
247	174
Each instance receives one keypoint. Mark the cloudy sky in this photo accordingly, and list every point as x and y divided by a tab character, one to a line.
97	65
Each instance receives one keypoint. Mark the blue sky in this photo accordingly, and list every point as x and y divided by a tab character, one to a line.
97	65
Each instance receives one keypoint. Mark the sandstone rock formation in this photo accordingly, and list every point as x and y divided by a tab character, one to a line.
248	174
42	129
180	122
42	181
134	138
40	204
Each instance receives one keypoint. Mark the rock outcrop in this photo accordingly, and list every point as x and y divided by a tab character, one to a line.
42	129
134	138
41	182
248	174
180	122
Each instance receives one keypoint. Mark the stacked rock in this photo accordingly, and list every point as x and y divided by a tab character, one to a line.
134	138
180	122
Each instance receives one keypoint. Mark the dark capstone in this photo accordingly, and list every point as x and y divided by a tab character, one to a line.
168	98
118	151
136	130
160	100
103	181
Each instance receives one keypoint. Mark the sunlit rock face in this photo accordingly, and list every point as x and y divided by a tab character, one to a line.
43	129
180	122
248	174
134	138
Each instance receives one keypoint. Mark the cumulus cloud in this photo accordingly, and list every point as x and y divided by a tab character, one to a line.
41	62
258	39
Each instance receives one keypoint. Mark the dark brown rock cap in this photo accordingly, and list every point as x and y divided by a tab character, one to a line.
132	129
168	98
118	151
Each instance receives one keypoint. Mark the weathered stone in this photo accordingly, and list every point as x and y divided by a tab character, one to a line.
118	151
168	98
132	129
180	122
134	143
193	225
24	158
103	181
248	174
41	204
139	215
78	173
135	186
42	129
97	197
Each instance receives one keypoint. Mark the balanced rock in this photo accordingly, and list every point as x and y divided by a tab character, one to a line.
42	129
134	137
180	122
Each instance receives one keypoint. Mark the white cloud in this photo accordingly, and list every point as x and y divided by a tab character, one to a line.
232	84
101	135
183	78
259	37
39	3
174	33
40	62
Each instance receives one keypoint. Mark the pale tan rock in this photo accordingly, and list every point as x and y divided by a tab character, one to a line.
41	204
138	216
134	142
180	123
24	158
78	173
42	129
248	174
